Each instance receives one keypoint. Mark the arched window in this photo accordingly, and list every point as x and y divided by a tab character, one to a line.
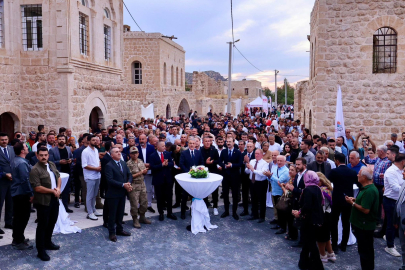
385	50
181	77
172	76
177	76
107	13
137	72
164	74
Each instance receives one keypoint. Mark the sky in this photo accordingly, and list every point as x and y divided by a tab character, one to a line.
273	34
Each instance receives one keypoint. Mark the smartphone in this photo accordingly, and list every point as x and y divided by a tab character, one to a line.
361	129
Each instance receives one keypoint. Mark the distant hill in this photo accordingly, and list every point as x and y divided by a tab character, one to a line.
212	74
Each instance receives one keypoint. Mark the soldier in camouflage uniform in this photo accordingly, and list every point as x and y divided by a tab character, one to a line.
138	193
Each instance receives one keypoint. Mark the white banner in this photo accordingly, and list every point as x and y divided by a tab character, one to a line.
148	111
265	104
339	120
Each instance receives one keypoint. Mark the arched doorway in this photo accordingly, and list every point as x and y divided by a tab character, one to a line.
9	124
184	108
310	122
168	111
96	116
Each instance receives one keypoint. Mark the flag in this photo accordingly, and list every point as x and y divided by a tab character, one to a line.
265	105
339	120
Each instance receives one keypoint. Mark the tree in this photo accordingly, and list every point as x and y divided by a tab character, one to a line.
281	94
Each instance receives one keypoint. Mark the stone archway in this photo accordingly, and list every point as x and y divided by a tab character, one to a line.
9	123
184	107
96	116
95	105
168	111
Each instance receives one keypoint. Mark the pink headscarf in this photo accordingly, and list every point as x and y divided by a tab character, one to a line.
312	179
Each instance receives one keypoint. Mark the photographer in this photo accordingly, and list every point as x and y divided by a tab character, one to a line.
366	143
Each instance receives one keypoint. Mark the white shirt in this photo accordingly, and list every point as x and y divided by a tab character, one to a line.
262	166
401	146
300	176
52	175
171	138
332	164
35	147
90	158
393	180
275	147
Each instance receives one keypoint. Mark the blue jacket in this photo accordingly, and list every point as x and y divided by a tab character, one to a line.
150	149
161	174
54	155
186	162
20	171
236	161
283	177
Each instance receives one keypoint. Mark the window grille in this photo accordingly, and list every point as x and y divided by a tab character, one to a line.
385	50
32	27
107	42
246	91
83	34
137	73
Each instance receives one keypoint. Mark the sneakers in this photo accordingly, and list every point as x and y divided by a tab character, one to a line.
92	217
216	212
324	259
97	214
392	251
331	256
385	239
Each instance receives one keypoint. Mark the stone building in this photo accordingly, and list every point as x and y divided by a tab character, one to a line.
361	47
73	64
246	88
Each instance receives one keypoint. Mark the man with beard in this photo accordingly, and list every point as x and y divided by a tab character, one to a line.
145	150
62	157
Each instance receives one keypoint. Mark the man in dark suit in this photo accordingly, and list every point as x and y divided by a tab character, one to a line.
296	189
6	158
319	165
145	150
231	163
211	159
343	179
119	180
161	164
189	158
103	182
247	156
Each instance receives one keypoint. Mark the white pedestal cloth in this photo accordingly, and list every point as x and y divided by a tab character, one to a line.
64	224
269	201
199	189
352	238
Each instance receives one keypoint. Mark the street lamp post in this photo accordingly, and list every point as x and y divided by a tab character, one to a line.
285	87
228	107
275	83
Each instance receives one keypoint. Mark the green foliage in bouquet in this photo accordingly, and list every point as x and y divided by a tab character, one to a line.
199	172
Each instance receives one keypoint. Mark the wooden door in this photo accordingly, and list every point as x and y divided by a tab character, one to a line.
7	125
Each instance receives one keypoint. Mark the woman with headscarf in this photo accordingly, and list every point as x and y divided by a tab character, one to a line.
323	235
311	213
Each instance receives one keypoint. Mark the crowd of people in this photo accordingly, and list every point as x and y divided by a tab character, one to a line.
313	179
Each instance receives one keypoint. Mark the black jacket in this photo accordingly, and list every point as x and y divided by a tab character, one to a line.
186	162
213	154
235	160
343	179
313	166
297	191
116	178
311	206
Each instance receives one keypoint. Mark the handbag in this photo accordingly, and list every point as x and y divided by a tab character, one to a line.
283	204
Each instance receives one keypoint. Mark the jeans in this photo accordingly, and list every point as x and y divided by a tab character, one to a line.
402	241
365	247
389	208
92	191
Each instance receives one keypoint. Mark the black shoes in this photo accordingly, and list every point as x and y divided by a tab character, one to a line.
125	214
52	246
77	205
235	216
150	209
124	233
105	225
261	220
225	214
274	221
23	246
43	256
335	249
183	216
113	238
171	216
244	213
161	217
69	210
1	231
32	210
342	248
253	218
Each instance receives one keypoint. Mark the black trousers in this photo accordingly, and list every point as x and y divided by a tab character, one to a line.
215	198
178	191
103	186
292	231
309	257
22	213
258	191
47	217
184	198
246	183
66	193
164	193
106	210
78	187
7	200
116	207
233	184
365	247
345	211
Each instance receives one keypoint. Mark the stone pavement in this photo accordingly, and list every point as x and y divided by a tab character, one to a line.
167	245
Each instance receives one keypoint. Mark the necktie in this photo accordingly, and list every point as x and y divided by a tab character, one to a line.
230	153
119	165
254	175
6	153
277	172
192	156
161	157
249	156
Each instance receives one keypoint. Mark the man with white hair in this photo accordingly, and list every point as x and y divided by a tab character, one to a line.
326	157
394	139
273	146
354	161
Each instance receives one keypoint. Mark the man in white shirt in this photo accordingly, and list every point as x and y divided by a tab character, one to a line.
394	138
91	172
173	135
273	146
393	179
259	185
41	138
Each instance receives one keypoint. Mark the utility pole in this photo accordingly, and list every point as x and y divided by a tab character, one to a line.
228	107
275	83
285	87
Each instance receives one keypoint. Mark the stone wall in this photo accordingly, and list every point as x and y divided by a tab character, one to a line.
342	54
238	88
